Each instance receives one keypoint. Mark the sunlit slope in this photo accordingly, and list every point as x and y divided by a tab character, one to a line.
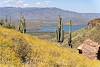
20	50
92	32
80	36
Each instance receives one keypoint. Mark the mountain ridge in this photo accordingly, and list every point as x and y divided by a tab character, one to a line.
47	14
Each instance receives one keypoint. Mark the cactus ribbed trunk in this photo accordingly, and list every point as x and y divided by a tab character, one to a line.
6	21
1	22
60	31
70	35
22	25
10	20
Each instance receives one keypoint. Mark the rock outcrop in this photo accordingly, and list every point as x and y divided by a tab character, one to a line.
90	49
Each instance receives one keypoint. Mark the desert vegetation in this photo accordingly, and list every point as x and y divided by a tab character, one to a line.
18	49
60	31
22	25
6	23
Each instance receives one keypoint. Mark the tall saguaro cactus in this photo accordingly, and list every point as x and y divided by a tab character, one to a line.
60	31
6	21
70	35
22	25
10	20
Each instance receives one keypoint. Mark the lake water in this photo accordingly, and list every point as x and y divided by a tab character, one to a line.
66	28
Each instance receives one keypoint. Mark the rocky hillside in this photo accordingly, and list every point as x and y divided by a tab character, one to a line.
18	50
92	31
94	23
81	35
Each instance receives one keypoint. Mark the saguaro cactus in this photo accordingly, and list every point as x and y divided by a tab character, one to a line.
1	22
22	25
6	21
70	35
60	31
10	20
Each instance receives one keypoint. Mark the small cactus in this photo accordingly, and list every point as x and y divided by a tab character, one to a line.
1	22
60	31
22	25
8	24
5	22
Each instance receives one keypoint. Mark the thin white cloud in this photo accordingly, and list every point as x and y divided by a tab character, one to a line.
21	3
41	4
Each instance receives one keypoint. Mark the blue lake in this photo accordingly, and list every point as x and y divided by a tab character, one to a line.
66	28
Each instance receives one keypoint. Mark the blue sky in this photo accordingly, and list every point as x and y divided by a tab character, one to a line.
82	6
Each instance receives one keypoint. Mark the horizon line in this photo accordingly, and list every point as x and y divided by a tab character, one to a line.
48	7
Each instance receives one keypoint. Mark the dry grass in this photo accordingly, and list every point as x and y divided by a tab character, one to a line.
40	53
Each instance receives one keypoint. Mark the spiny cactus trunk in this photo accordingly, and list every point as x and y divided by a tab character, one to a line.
22	25
70	40
6	21
1	22
70	35
60	31
62	36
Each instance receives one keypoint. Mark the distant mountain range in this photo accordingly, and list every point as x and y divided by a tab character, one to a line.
47	14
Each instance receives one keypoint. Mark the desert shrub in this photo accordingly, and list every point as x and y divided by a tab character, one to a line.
9	26
23	51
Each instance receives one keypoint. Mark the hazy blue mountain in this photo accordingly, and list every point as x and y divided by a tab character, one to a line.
47	14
